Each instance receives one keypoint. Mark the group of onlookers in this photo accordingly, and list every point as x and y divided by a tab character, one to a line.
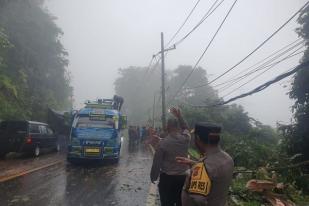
138	133
143	133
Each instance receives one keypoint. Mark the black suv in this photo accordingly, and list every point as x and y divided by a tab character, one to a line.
26	136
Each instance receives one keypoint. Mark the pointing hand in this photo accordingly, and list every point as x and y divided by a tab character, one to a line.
184	160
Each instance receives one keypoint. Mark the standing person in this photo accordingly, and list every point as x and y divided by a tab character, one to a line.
130	132
172	174
136	134
140	129
141	132
211	176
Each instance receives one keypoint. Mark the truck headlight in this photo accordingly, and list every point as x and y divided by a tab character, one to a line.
75	142
111	142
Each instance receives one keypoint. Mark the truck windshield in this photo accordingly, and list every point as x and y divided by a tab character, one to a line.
86	122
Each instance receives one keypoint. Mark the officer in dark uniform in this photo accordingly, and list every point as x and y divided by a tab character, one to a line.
211	176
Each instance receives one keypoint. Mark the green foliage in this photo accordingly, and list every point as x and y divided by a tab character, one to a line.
247	151
299	133
232	118
32	62
296	136
254	147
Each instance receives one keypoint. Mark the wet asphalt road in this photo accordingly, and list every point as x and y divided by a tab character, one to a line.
123	183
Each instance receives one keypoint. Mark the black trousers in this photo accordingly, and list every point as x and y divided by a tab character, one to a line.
170	188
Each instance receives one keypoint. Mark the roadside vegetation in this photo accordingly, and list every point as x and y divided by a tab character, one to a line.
33	62
272	164
259	151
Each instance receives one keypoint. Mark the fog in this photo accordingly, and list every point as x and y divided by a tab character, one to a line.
102	36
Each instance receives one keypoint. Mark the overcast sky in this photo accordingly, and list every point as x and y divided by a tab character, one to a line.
102	36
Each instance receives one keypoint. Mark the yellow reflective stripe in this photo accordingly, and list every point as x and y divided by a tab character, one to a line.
199	182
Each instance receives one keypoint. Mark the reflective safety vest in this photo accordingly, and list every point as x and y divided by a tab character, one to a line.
200	182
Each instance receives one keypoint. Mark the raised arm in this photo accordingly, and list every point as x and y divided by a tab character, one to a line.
177	113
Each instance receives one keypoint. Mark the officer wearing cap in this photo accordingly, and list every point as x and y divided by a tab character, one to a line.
210	177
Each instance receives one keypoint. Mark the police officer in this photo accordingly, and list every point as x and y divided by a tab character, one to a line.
172	174
211	176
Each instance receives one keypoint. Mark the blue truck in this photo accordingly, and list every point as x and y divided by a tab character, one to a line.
96	131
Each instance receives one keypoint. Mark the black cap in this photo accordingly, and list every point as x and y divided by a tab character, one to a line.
203	129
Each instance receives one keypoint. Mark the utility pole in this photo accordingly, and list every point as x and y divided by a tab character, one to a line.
163	80
163	83
153	110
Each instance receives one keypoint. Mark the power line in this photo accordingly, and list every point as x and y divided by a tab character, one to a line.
257	48
205	50
271	66
182	25
263	86
140	82
263	66
285	49
256	64
148	69
267	84
149	65
264	42
207	14
157	60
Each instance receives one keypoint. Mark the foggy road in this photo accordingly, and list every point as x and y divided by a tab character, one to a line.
124	183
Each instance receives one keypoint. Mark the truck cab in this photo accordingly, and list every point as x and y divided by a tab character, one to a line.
96	131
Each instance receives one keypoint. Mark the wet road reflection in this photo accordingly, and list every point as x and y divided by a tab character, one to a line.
125	183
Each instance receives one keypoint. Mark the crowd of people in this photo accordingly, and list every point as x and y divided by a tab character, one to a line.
184	181
146	134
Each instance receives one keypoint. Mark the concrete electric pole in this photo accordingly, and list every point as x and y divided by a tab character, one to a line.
163	80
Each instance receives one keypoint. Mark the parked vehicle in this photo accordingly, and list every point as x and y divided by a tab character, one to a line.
26	136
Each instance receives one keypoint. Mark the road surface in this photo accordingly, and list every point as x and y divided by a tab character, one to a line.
60	183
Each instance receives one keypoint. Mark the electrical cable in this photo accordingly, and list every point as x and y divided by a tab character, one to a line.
234	78
139	83
261	67
256	64
182	25
274	64
149	65
263	86
257	48
210	11
205	50
271	66
157	63
267	84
